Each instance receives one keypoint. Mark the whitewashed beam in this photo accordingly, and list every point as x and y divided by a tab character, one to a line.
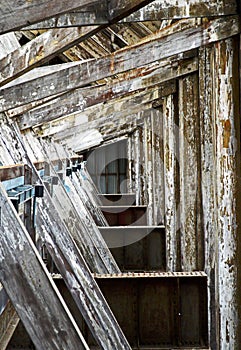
156	11
82	73
8	44
40	50
16	14
226	102
53	42
97	116
78	278
82	98
30	287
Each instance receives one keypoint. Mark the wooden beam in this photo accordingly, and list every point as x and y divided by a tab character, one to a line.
117	7
156	11
40	50
96	117
56	41
78	278
81	73
80	99
17	14
8	44
30	288
8	323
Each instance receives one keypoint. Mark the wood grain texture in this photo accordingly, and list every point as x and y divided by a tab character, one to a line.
78	278
17	14
156	11
227	150
30	288
82	98
79	74
189	163
40	50
171	182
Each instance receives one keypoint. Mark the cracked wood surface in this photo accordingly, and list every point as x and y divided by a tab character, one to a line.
80	99
30	288
16	14
160	46
156	11
53	42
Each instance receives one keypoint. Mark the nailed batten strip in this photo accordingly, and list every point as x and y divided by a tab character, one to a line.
129	58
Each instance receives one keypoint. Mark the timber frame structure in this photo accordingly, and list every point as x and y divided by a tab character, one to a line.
120	174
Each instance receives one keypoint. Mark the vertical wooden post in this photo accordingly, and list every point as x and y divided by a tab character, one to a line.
172	205
209	186
226	104
190	215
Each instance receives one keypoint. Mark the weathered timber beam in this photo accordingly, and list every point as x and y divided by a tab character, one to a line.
30	288
8	323
82	73
117	7
84	231
17	14
8	43
40	50
56	41
78	278
83	98
158	10
96	115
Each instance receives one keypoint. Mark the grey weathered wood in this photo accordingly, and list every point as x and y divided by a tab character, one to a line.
189	163
209	199
78	278
40	50
118	114
116	7
53	42
97	255
83	73
17	14
8	43
30	288
171	182
83	98
227	151
156	11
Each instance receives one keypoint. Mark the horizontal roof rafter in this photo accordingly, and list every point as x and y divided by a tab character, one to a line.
163	44
158	10
126	84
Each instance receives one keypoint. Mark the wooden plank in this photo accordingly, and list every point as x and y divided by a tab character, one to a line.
93	249
189	163
82	98
115	112
156	11
30	288
227	151
55	41
83	73
171	182
8	43
117	7
17	14
209	205
171	9
40	50
8	323
78	278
